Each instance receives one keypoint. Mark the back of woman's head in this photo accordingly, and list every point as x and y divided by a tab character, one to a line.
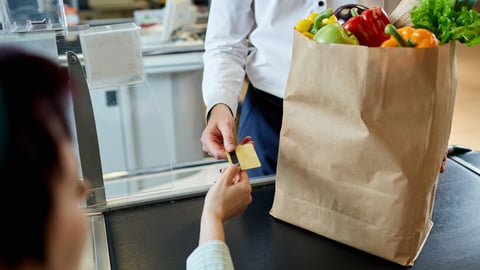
33	98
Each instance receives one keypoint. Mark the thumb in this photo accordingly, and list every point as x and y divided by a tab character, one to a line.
227	130
228	138
230	173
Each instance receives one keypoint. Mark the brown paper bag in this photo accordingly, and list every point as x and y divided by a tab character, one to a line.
363	136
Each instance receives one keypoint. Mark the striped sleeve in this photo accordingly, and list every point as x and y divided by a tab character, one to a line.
210	255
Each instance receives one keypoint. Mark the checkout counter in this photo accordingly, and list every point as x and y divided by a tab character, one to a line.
162	233
156	176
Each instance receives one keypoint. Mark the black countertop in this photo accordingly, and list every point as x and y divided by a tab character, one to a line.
162	235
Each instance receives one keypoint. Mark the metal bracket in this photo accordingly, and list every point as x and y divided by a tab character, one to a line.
86	133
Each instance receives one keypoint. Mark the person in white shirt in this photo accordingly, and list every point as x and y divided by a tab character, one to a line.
268	26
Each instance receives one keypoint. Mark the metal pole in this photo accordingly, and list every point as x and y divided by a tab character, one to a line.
86	133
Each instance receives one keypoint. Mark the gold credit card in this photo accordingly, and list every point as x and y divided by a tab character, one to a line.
245	156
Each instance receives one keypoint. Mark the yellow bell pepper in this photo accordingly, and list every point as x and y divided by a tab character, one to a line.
308	34
312	16
303	25
329	20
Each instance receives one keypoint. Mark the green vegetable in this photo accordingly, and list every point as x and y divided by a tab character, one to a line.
335	33
318	22
446	22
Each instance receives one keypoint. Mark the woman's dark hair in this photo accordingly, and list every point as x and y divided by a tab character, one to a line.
33	97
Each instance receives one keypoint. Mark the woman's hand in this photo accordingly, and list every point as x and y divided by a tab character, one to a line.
228	197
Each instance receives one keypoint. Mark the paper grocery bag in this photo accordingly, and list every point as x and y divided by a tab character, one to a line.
363	137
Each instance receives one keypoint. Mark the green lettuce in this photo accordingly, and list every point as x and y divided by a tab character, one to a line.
441	18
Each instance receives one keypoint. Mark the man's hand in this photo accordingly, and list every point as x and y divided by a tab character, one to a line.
219	134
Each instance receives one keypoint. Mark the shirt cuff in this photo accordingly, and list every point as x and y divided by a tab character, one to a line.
213	254
230	101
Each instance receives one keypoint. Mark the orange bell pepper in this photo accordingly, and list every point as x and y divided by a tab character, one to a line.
409	37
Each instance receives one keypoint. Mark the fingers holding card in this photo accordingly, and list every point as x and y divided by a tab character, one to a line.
245	156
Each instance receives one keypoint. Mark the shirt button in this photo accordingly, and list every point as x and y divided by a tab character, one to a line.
321	3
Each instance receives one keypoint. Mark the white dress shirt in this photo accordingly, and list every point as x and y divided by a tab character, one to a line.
211	255
268	25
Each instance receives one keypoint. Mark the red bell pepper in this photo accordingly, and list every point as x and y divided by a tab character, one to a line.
369	26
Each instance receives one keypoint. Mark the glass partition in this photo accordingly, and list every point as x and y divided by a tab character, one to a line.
149	132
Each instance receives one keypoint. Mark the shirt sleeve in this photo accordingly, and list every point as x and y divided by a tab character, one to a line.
226	50
211	255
